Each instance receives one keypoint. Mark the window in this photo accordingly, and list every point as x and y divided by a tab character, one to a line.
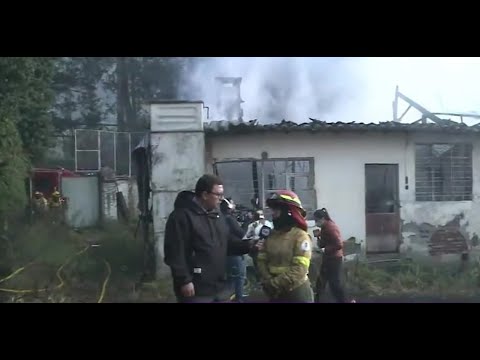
240	182
291	174
443	172
248	180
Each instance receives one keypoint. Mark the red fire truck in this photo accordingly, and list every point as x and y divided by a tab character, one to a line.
47	180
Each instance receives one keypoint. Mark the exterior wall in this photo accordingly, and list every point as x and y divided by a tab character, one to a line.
178	160
340	160
109	200
128	187
450	222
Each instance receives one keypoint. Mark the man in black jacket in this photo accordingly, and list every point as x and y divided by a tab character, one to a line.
197	242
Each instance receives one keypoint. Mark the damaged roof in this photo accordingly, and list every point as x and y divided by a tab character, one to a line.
252	126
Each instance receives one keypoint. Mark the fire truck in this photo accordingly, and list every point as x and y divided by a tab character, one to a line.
47	180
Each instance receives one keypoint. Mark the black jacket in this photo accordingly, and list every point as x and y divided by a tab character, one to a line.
235	228
197	244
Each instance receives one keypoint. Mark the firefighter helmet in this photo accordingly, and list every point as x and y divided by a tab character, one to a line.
288	198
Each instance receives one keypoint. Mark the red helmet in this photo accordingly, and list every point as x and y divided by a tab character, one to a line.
288	198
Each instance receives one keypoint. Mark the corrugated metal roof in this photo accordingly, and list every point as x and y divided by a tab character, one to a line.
252	126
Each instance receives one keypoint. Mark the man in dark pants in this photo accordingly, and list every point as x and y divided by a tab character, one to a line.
197	242
236	269
331	244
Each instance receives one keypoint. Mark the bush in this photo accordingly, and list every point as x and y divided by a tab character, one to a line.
13	171
48	247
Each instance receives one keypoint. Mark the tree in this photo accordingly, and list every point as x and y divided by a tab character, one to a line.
13	169
139	80
26	99
91	91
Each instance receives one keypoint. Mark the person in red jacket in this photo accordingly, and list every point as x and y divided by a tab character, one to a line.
330	242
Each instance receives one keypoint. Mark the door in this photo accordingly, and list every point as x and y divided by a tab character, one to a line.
382	208
83	200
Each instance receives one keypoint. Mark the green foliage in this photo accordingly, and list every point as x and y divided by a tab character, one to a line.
13	169
35	121
119	247
107	89
26	99
46	247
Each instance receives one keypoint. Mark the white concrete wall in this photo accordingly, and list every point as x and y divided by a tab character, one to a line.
128	187
340	173
439	214
109	200
178	160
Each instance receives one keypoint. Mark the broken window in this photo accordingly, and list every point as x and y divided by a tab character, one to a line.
246	181
240	182
443	172
291	174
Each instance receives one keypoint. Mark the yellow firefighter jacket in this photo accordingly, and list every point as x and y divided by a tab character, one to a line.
56	200
40	204
284	260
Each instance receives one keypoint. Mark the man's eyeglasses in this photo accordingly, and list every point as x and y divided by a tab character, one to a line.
220	196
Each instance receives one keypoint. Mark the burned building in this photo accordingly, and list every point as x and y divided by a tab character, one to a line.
398	188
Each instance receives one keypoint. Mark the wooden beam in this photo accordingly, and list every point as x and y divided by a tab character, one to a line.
425	112
400	118
395	105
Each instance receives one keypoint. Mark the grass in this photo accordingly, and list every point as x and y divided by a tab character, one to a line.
414	280
45	247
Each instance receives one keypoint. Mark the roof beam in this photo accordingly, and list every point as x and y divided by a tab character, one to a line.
425	112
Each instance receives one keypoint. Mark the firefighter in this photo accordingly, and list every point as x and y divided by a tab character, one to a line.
284	258
40	204
56	205
56	201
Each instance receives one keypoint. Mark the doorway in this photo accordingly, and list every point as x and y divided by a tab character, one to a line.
382	208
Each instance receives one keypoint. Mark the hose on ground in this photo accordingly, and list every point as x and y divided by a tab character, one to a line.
59	276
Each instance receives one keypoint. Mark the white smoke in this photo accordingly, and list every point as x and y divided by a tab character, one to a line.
438	84
275	88
338	89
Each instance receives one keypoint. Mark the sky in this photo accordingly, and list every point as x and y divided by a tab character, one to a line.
339	89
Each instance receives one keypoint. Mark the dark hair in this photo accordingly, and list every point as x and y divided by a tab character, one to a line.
322	214
206	183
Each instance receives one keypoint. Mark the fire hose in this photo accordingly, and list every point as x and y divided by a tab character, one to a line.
59	276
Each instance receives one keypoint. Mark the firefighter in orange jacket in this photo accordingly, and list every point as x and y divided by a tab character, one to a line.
284	257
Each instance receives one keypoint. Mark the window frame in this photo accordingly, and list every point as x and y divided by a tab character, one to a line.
433	196
262	191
